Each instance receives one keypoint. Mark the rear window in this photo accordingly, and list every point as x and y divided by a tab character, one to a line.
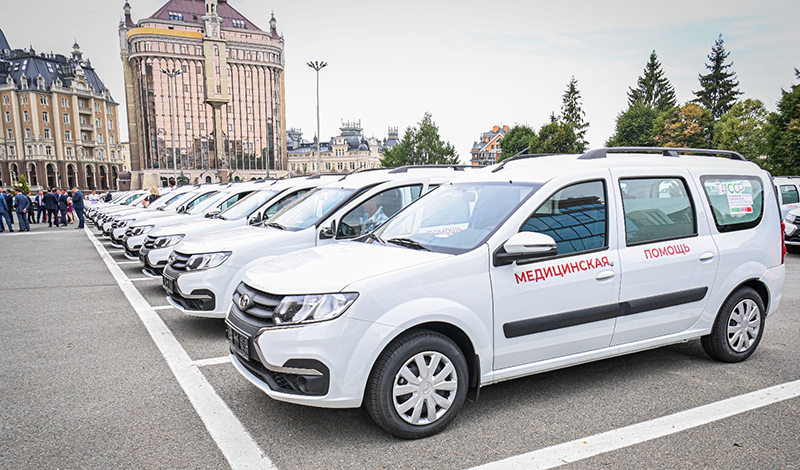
737	202
789	194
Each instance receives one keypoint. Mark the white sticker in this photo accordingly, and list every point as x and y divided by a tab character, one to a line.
740	203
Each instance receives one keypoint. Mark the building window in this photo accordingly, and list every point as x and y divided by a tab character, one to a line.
47	133
27	133
24	99
45	116
111	124
113	155
30	150
199	70
175	16
10	134
43	100
97	107
188	125
66	118
186	88
67	134
111	138
69	151
48	150
100	138
64	103
352	165
12	151
184	68
339	166
5	101
98	123
8	116
26	116
202	126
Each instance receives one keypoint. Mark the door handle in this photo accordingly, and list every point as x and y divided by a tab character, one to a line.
603	275
706	256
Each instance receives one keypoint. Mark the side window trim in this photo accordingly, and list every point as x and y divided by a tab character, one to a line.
741	225
692	205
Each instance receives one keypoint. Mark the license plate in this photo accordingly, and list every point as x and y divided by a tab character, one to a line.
169	284
239	342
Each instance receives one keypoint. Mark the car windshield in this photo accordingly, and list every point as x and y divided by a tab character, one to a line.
206	203
311	209
455	218
177	201
246	206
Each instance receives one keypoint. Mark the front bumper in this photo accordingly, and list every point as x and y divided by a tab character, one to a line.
216	284
197	302
132	246
151	267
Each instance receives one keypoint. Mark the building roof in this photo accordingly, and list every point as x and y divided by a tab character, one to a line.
3	42
192	11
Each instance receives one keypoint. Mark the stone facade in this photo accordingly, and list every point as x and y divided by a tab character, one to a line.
224	109
58	122
349	151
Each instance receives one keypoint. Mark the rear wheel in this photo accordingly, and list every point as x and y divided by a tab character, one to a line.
738	327
418	385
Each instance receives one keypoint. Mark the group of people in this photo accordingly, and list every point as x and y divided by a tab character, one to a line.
59	206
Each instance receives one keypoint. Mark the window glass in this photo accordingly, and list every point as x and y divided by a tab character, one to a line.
285	202
312	208
246	205
198	200
456	218
232	200
575	217
376	210
789	194
656	209
736	201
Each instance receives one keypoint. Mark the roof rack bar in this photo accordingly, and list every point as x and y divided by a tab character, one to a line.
404	169
520	157
665	151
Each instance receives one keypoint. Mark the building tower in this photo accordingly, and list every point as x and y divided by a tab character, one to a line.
229	97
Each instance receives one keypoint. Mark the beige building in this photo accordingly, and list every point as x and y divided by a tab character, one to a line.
224	109
346	152
58	122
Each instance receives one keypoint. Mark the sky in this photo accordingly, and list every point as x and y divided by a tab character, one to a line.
471	64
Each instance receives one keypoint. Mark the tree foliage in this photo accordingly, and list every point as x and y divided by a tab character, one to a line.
635	127
653	89
572	113
421	146
743	129
556	137
22	185
688	126
182	179
517	139
783	137
719	87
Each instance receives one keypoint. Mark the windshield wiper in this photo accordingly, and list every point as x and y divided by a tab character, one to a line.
276	225
375	237
409	243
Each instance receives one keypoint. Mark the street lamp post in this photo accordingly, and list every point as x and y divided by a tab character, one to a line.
172	73
316	65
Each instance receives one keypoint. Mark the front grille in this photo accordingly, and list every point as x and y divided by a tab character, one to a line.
261	305
179	261
129	232
150	242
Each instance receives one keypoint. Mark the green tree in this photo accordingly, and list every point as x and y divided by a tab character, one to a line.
421	146
688	126
719	88
182	179
517	139
635	127
556	137
572	113
783	137
22	184
743	129
653	89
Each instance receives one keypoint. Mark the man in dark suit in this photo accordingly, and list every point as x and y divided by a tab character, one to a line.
21	204
51	205
63	203
108	197
10	204
77	205
5	213
39	203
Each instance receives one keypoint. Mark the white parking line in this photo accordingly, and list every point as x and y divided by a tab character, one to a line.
144	279
163	307
238	447
580	449
127	262
212	361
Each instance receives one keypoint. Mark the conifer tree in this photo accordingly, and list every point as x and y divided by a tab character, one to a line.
572	113
783	137
653	89
720	89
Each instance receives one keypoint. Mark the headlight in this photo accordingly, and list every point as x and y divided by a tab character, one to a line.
205	260
295	309
169	240
791	218
125	222
141	229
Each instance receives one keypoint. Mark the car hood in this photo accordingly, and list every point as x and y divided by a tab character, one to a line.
227	240
331	268
193	227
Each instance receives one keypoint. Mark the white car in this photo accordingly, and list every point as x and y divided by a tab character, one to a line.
209	267
151	254
528	266
253	209
166	205
788	193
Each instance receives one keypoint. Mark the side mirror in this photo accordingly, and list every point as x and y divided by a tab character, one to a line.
525	246
181	210
255	219
328	232
212	214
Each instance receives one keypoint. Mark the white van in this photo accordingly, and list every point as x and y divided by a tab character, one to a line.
530	265
788	193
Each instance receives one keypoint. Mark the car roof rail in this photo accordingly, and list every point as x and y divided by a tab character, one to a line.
320	175
521	156
405	168
665	151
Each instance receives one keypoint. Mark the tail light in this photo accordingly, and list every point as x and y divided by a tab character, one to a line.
783	241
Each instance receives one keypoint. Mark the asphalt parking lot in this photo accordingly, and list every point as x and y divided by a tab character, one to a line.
99	372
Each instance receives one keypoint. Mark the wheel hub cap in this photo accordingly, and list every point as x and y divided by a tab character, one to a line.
425	388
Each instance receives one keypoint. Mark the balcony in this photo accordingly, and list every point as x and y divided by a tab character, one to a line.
86	126
88	143
85	109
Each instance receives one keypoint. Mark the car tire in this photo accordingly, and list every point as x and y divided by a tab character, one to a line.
738	327
436	390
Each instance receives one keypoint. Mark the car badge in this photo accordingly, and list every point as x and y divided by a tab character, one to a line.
244	301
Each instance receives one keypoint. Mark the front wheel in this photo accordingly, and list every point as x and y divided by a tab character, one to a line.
738	327
418	385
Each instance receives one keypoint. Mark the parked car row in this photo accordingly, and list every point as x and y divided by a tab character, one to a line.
407	290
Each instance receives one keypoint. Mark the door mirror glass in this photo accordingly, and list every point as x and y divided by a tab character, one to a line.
255	219
526	246
328	232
